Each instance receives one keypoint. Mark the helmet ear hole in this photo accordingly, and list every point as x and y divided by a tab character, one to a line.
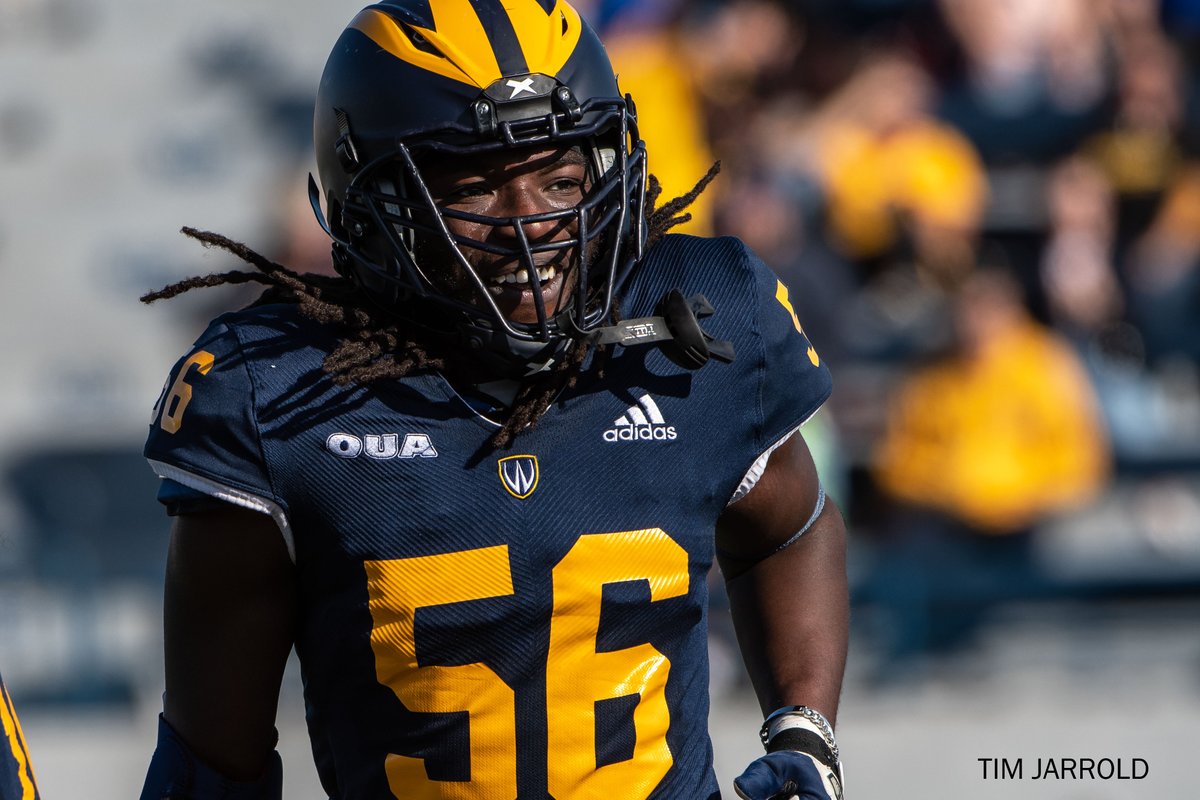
608	157
398	188
347	153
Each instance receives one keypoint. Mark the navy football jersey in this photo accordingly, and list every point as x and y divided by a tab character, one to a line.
498	624
16	772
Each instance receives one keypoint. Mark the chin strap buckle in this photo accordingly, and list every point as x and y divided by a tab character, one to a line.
691	346
676	327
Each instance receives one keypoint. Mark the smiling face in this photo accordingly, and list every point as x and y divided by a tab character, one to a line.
502	186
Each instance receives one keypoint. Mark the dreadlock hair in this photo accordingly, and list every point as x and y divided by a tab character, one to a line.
377	346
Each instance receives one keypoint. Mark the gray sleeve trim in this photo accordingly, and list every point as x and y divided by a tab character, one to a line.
760	464
237	497
811	520
817	509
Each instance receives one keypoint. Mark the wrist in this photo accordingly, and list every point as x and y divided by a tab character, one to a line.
800	728
806	731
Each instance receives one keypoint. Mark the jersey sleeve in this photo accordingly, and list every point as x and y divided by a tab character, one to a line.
204	433
793	379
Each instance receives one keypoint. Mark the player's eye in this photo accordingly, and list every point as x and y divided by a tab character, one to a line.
566	185
464	192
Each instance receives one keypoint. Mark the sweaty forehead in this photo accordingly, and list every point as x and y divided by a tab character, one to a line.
440	166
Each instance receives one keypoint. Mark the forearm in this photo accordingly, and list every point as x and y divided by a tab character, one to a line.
222	689
791	613
229	616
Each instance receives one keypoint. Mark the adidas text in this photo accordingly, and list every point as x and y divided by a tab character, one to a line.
642	422
634	433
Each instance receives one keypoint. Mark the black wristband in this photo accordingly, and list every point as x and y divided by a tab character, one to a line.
804	741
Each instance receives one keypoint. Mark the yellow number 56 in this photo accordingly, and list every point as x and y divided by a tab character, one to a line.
577	676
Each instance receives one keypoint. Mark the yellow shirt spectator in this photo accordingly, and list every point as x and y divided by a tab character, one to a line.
1002	434
926	172
651	69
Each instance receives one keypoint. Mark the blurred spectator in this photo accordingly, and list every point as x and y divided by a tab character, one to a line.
1142	151
1163	271
651	64
979	447
1086	303
1126	19
1004	430
1077	274
893	173
697	72
1035	76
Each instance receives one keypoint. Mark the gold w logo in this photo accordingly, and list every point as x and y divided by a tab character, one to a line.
519	474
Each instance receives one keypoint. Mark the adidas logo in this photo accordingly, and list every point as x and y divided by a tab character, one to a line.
640	423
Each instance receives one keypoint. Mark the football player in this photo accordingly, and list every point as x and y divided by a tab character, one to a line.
16	772
478	480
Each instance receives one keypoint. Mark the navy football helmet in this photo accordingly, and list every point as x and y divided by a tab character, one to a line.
411	82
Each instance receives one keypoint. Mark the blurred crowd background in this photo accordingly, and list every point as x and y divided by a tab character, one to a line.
987	213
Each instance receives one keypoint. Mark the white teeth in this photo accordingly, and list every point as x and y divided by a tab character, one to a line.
521	276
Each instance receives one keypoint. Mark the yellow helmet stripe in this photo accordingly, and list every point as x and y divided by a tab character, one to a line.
458	35
546	47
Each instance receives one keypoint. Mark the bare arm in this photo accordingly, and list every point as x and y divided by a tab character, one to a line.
230	619
790	606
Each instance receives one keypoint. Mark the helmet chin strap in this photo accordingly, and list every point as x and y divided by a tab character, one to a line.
676	328
503	356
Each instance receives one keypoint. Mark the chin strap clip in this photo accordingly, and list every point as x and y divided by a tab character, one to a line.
676	327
